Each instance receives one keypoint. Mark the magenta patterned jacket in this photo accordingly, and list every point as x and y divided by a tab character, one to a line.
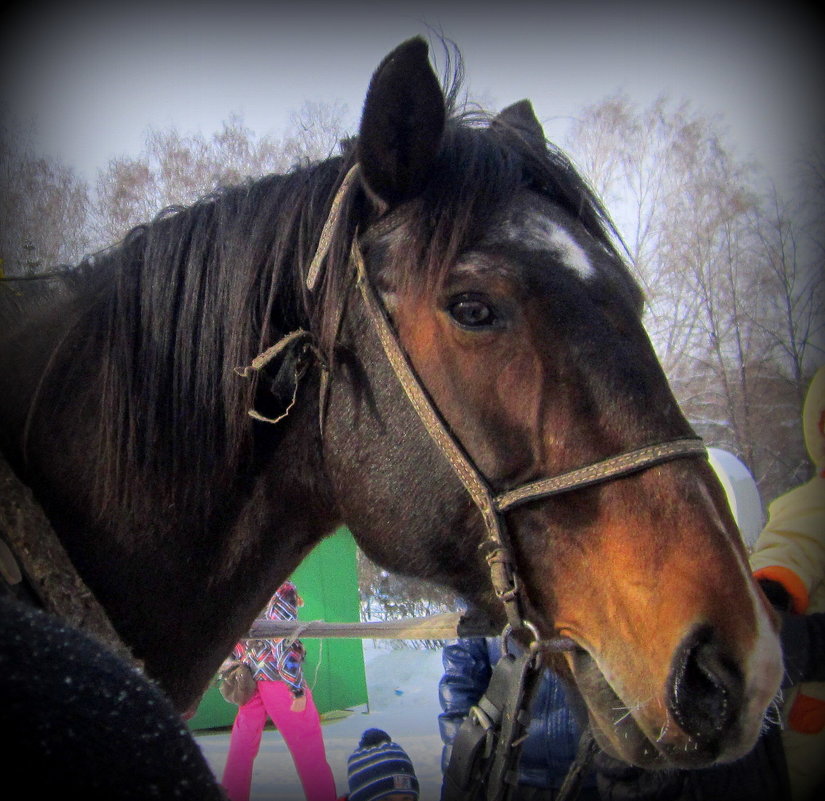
278	659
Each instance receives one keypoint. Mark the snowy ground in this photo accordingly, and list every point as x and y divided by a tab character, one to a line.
403	700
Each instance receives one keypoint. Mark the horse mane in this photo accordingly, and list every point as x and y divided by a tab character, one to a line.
192	295
188	297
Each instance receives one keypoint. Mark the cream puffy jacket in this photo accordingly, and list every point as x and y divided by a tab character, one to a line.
791	547
791	550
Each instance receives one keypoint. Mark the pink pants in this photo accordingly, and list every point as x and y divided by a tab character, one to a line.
301	732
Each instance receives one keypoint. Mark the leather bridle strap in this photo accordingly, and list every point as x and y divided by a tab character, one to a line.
491	505
494	770
606	470
418	397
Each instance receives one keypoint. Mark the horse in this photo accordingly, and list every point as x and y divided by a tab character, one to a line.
400	338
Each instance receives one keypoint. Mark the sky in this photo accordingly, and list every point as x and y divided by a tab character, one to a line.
93	77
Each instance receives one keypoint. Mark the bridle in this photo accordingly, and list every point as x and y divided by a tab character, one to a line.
491	505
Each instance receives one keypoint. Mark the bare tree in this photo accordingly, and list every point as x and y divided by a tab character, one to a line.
316	131
176	169
639	161
43	208
726	348
787	309
124	197
733	279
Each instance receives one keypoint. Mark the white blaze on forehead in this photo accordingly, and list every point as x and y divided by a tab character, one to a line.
536	232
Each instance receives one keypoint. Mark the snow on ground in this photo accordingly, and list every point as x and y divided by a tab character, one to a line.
403	701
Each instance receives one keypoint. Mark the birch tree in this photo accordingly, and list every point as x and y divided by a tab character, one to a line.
175	169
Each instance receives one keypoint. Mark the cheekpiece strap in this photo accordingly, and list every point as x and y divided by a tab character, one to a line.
330	226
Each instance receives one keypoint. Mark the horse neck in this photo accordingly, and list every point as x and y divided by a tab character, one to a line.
199	580
200	584
286	512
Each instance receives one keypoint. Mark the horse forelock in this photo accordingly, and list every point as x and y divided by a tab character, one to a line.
479	169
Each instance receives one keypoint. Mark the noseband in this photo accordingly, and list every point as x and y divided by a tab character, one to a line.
490	504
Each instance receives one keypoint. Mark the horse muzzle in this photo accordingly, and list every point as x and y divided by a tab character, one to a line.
705	690
711	709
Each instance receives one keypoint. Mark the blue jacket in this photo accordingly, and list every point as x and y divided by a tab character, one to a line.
553	734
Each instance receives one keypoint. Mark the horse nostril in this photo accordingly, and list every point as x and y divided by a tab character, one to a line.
706	687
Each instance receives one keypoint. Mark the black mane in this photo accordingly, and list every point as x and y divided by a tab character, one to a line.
185	299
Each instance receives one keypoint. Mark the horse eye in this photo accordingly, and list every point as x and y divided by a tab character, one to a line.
472	312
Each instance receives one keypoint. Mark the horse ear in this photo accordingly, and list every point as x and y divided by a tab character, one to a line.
401	125
521	120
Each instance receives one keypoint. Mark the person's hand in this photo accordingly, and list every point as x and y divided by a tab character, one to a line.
299	704
779	598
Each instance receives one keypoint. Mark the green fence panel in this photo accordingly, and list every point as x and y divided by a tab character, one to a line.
327	580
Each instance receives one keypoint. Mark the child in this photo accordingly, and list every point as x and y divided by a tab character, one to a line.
790	552
380	769
282	694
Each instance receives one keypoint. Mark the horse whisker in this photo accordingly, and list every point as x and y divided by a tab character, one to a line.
773	714
629	710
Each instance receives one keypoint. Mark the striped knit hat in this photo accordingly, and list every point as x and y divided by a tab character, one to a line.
379	768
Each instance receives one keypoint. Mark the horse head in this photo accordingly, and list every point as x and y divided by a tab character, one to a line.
481	334
496	268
